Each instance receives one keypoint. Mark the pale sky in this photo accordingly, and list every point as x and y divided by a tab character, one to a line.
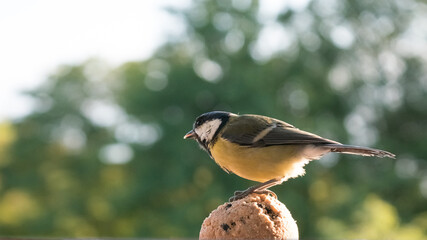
39	35
36	36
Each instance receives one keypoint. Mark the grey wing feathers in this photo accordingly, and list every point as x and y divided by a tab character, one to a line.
291	136
356	150
259	132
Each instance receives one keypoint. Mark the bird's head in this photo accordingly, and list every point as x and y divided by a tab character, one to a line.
206	128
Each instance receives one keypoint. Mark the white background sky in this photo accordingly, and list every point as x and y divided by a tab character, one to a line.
38	35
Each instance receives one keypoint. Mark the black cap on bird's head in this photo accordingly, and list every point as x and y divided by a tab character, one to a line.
207	126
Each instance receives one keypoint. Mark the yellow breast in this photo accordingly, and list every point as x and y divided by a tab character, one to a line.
259	164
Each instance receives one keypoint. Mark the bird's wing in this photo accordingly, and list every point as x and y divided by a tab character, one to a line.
263	131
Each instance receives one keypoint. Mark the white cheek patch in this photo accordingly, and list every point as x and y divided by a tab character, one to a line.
207	130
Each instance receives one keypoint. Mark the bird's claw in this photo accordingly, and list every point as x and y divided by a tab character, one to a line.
242	194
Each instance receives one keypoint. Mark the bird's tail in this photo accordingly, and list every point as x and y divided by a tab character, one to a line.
356	150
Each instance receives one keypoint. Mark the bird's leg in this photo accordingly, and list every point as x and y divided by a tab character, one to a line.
261	188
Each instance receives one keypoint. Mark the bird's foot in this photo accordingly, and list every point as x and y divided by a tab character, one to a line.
242	194
261	188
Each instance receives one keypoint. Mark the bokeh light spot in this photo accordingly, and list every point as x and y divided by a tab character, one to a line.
339	79
117	153
222	21
102	112
133	131
342	36
241	5
298	99
208	70
156	81
406	167
234	41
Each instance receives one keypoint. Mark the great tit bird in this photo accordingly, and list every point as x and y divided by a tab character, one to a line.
264	149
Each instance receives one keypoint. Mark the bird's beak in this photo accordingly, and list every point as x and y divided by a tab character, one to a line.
190	134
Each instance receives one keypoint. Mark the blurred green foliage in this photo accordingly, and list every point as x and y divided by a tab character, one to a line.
103	155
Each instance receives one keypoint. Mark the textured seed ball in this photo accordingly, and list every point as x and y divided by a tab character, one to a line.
257	216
